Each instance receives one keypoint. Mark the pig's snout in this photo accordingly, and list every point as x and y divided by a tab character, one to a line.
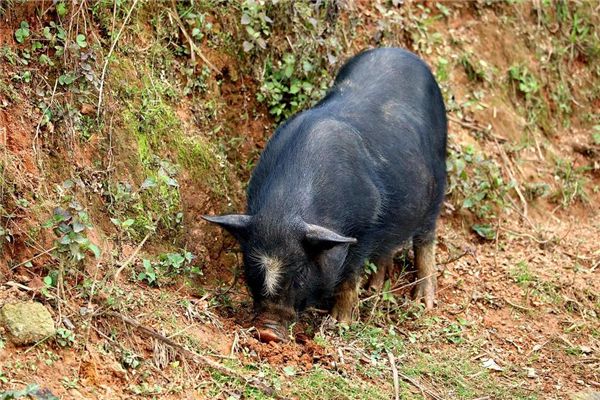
272	324
271	331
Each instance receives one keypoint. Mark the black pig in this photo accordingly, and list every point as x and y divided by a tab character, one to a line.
352	178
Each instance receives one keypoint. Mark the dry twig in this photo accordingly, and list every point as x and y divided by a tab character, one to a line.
394	375
193	47
199	358
51	249
397	289
415	383
132	256
107	60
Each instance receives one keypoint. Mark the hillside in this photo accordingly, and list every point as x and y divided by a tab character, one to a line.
122	123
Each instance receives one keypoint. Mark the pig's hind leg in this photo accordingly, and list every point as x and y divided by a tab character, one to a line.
424	248
385	264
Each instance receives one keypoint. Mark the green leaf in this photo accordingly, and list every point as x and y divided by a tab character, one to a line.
486	231
294	88
61	9
596	136
81	40
66	79
148	183
78	227
48	281
127	223
45	60
94	249
23	32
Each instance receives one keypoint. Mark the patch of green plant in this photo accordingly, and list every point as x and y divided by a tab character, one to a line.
289	86
70	383
130	360
168	266
70	226
475	70
522	275
323	384
150	119
441	71
375	340
153	207
475	183
576	27
23	32
256	23
30	391
65	337
571	183
596	135
526	85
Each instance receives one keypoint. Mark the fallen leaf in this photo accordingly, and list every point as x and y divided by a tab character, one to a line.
489	363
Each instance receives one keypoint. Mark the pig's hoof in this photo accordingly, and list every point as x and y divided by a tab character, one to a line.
375	283
425	291
342	315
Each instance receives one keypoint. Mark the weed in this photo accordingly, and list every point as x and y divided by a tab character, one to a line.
153	207
23	32
70	226
369	267
257	24
130	360
288	87
70	383
30	391
65	337
475	183
528	86
441	72
476	71
322	384
570	183
522	275
168	266
596	135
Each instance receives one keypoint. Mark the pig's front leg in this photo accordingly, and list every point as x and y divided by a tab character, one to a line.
346	300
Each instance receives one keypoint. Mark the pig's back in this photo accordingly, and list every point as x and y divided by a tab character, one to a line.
391	98
369	159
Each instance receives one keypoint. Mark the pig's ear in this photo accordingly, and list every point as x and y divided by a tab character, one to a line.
329	248
236	224
325	238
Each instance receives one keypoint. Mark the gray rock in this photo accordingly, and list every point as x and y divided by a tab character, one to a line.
27	323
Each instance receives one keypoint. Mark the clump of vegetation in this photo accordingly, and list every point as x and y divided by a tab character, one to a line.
570	182
70	226
528	86
296	73
287	88
167	267
153	207
475	183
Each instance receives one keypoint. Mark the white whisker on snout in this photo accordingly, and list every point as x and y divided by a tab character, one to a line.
273	270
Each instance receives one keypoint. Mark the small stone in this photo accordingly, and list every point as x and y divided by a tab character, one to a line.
531	374
27	323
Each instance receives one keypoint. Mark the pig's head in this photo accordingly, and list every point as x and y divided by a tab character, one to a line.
289	265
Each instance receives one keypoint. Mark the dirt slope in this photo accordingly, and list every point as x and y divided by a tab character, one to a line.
100	201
